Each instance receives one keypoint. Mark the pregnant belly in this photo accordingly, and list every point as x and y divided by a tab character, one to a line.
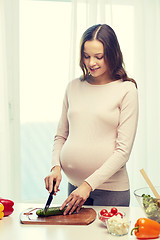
79	161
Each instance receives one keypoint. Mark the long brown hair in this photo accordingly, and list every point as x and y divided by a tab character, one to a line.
112	52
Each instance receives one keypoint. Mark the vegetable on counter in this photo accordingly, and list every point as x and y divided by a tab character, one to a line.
52	211
151	207
118	226
146	229
1	211
8	206
104	214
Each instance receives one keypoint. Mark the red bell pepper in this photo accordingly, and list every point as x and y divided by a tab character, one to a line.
8	206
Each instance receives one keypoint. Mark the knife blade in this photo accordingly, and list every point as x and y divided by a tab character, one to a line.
50	198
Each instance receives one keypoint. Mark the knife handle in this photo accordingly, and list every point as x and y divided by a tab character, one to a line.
54	182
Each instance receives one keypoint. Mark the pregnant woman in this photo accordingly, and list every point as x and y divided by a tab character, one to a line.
97	127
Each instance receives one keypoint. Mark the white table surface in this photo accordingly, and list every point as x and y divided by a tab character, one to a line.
11	228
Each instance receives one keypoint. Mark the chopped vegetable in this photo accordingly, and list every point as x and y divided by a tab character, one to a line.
146	229
118	226
151	207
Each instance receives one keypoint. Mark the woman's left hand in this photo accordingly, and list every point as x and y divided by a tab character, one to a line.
77	198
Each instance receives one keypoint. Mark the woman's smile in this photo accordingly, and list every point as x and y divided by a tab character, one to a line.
94	69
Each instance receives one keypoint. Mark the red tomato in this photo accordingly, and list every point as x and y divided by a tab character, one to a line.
110	214
103	211
106	215
102	219
114	210
118	213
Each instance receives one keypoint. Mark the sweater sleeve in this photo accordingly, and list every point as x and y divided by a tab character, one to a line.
62	133
125	137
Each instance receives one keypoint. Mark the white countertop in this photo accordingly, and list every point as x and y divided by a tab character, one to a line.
11	228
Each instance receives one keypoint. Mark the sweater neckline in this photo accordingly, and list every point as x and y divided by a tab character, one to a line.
103	85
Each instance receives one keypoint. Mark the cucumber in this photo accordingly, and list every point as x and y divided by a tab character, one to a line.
52	211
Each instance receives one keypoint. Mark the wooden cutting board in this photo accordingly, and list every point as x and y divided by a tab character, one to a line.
84	217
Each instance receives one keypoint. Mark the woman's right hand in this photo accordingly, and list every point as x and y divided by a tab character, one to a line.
55	175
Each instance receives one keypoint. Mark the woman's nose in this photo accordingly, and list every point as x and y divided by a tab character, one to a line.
92	62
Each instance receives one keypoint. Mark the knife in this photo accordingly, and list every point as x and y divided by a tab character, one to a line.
50	198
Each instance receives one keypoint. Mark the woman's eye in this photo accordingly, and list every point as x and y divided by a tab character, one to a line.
99	58
86	57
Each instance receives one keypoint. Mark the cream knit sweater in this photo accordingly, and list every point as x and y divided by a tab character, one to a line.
96	132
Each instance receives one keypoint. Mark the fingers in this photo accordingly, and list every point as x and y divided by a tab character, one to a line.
53	176
73	204
77	198
47	183
50	184
79	207
56	187
65	203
